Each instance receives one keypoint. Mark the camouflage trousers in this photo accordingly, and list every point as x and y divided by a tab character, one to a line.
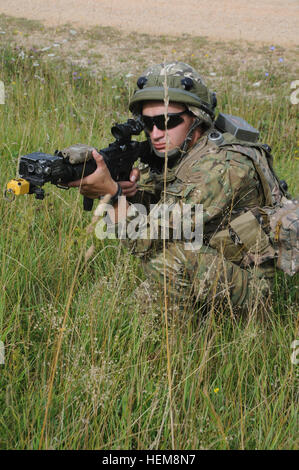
205	276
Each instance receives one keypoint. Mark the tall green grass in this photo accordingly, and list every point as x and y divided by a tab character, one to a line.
85	364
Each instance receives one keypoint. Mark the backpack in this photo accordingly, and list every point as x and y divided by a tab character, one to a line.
262	233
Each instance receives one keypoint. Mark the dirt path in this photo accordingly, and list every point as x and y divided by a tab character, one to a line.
270	21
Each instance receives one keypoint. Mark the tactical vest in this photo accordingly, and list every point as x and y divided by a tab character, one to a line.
270	232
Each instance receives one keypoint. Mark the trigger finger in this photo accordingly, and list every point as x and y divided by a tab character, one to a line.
126	184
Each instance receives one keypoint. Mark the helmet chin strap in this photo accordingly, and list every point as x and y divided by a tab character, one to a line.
171	154
179	151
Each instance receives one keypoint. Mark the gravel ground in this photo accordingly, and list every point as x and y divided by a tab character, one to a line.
270	21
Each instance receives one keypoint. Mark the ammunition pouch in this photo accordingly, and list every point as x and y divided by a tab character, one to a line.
262	234
244	241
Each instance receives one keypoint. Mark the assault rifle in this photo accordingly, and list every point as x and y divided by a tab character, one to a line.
37	168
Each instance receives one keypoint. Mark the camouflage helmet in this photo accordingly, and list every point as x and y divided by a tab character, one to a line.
184	85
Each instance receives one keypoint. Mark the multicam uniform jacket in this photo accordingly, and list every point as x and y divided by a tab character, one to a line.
228	181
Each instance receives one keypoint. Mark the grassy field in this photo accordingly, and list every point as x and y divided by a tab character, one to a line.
85	366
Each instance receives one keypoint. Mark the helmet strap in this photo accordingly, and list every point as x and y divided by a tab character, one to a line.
185	145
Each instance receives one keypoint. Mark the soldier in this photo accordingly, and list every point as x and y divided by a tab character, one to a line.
229	178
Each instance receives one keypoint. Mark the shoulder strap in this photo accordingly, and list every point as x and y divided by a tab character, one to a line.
263	163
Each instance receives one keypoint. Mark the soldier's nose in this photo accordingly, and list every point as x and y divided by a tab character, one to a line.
157	133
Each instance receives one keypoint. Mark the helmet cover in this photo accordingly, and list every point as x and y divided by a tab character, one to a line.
184	85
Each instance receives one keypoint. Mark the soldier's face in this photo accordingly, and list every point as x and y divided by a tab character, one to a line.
176	135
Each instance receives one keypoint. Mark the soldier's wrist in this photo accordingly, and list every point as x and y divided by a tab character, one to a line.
116	195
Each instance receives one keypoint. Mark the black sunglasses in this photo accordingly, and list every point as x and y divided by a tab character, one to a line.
174	119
